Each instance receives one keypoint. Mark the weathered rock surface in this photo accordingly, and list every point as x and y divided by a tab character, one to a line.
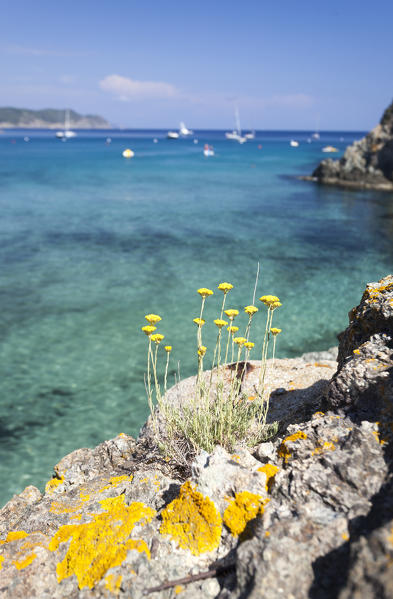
306	514
367	163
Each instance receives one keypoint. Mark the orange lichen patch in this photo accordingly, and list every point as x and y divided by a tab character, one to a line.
283	451
123	435
102	543
245	507
84	497
319	365
15	535
390	539
322	447
26	561
267	533
116	480
345	536
112	583
270	471
235	458
178	589
58	507
192	521
52	484
377	435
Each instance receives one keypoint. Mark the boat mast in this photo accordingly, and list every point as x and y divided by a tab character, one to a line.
237	119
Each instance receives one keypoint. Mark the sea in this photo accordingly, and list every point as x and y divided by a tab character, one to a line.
91	242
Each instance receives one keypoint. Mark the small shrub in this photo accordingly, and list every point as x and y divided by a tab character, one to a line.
217	412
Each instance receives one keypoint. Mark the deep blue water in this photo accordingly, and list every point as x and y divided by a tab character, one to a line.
90	242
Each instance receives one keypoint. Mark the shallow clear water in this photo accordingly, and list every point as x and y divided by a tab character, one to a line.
90	242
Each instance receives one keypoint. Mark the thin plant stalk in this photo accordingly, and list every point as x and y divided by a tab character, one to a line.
166	372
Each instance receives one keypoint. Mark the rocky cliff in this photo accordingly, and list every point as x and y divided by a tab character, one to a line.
366	164
308	514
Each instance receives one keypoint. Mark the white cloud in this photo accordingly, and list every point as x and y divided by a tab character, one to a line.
130	89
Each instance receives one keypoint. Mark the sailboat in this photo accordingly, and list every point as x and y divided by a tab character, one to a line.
236	134
184	131
316	135
66	133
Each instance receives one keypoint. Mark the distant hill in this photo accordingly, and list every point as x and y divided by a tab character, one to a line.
48	118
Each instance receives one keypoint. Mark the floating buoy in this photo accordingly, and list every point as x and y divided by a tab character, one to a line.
128	153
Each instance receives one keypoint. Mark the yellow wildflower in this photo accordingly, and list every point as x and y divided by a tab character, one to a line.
199	321
152	318
275	305
269	299
205	292
201	350
220	323
250	310
275	331
148	329
240	340
157	338
225	287
231	313
232	329
249	344
168	348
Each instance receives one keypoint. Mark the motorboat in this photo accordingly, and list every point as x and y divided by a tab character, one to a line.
208	150
236	134
250	135
183	131
294	143
330	149
127	153
173	135
66	133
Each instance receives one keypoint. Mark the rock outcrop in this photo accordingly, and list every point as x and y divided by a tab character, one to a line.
366	164
307	514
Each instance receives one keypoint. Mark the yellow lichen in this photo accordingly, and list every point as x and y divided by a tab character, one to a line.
325	446
283	451
192	521
52	484
15	535
178	589
356	351
319	414
58	507
245	507
270	471
345	536
102	543
1	561
112	583
26	561
116	480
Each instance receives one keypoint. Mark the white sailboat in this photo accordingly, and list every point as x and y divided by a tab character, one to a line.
316	135
184	132
66	133
236	134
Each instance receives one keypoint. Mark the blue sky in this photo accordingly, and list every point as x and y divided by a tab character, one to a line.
287	65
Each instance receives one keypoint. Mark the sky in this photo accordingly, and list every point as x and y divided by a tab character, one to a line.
287	65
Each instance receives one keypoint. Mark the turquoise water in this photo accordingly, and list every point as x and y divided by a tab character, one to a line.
90	242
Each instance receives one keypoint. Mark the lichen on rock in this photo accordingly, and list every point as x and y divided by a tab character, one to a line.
192	520
102	543
243	508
